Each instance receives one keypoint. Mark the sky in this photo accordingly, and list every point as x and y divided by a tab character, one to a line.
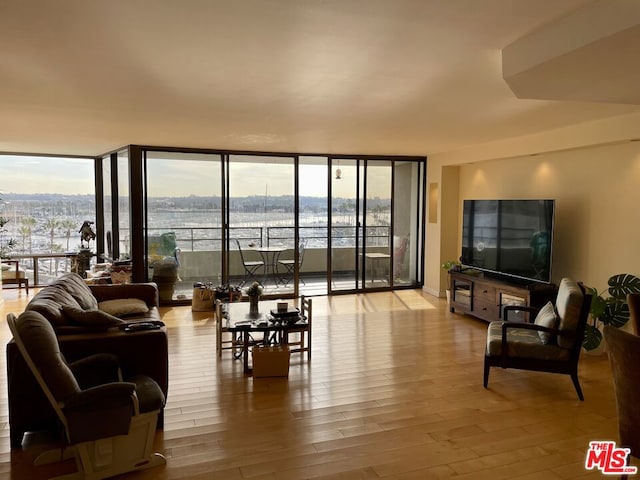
171	174
21	174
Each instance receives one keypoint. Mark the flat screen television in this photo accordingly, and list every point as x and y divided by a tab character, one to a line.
509	237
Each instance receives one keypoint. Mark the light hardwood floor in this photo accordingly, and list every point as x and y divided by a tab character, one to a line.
394	390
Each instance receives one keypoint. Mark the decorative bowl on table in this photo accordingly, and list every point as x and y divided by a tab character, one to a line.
292	320
289	316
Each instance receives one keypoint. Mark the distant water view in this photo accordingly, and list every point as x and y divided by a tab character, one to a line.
49	223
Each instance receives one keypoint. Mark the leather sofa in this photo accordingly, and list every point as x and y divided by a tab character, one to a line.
141	352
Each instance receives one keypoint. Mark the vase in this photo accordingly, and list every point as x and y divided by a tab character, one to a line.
253	304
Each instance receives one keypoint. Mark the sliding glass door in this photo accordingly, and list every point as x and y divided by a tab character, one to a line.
346	225
313	225
261	222
298	225
372	232
377	241
183	221
407	224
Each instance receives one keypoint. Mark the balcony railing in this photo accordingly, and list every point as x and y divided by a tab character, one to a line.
210	238
42	267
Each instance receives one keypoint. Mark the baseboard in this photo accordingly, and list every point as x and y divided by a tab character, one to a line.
434	292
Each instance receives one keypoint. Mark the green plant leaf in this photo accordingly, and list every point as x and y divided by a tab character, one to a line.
623	283
592	337
598	305
617	314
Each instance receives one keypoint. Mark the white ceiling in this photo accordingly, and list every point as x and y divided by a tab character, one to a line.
408	77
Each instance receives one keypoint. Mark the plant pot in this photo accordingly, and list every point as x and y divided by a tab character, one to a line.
448	292
165	276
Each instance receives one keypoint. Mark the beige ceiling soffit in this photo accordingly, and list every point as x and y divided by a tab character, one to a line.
608	131
590	55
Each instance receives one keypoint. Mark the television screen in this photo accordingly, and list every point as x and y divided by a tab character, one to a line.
509	237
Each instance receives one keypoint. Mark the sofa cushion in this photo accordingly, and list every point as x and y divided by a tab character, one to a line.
75	285
547	317
91	318
568	306
49	302
522	343
124	306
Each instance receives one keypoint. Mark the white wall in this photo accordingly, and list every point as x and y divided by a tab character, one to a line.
597	193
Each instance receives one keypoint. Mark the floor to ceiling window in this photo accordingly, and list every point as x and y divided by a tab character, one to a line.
107	208
183	221
375	224
407	224
313	219
308	224
346	223
314	224
377	216
44	202
261	220
124	211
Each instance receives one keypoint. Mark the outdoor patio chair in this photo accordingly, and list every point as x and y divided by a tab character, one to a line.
289	265
12	274
251	267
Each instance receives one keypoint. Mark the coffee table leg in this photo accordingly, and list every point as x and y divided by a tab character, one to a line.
245	341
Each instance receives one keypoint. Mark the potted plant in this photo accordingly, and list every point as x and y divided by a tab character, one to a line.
253	292
609	307
450	265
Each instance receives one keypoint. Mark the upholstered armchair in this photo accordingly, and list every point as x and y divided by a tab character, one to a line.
633	300
624	356
13	274
551	343
109	424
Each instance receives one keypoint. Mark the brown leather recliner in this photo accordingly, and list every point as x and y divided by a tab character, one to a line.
140	353
109	424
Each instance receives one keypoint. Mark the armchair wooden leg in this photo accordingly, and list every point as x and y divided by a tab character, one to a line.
576	384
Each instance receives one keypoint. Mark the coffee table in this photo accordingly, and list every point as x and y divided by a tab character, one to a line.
240	321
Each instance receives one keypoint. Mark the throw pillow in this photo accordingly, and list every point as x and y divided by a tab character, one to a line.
547	317
90	318
122	307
